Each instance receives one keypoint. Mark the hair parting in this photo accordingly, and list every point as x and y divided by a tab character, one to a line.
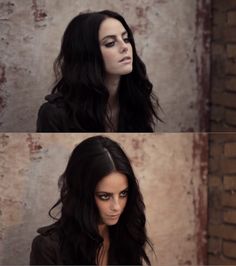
109	155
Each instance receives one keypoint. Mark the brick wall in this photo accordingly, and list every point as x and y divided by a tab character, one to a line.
222	146
222	199
223	66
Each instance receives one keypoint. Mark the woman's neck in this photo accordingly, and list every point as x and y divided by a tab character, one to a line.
103	254
103	230
112	84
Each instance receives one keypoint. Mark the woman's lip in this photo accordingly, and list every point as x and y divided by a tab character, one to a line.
113	216
125	59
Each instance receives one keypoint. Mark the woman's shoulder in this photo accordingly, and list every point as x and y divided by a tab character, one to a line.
45	247
47	236
54	102
52	116
50	231
56	99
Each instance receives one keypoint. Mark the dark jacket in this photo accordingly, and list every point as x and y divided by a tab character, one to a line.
45	248
53	117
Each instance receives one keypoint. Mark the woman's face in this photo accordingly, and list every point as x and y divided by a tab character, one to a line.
115	47
111	196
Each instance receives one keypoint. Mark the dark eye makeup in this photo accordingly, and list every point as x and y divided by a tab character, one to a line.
107	196
112	43
124	193
104	196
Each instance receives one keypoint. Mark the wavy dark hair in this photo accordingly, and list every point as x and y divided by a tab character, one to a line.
93	159
80	75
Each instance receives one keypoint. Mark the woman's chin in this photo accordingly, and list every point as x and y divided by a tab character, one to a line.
112	221
126	72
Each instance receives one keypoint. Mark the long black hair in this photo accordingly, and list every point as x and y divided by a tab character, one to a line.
80	242
80	75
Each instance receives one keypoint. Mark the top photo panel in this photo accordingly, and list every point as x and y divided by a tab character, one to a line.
114	66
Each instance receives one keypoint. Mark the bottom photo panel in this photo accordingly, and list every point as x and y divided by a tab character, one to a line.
104	199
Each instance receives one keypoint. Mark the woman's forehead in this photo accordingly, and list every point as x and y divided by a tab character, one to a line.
112	183
111	26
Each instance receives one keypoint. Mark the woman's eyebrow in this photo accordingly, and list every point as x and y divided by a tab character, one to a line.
114	36
109	193
103	192
124	189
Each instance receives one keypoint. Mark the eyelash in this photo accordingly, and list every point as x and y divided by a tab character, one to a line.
106	197
111	44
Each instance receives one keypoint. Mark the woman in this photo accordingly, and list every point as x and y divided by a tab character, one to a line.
101	83
102	217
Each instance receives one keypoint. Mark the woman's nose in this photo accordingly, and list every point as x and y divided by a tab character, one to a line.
115	205
123	47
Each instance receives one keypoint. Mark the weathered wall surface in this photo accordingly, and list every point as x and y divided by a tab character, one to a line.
222	199
171	36
222	146
223	77
171	169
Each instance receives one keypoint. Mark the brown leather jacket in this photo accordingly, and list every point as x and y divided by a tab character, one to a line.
45	247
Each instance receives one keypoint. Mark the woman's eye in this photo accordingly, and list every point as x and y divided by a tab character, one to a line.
110	44
104	197
124	194
126	40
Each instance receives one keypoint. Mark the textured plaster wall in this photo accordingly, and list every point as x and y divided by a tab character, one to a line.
171	37
171	169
